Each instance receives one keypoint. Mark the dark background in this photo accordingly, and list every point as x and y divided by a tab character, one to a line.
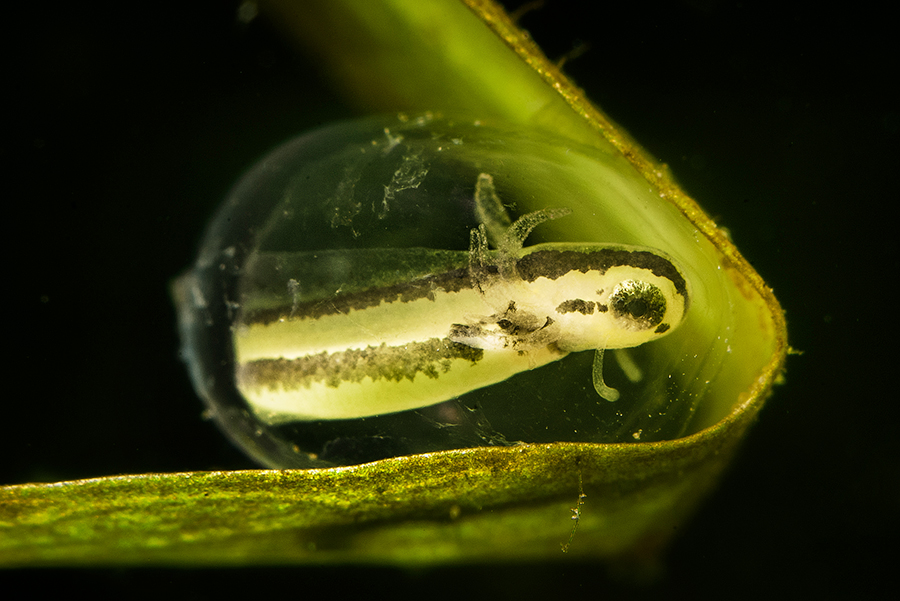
124	126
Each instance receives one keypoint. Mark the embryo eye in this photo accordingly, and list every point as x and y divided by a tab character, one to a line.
640	302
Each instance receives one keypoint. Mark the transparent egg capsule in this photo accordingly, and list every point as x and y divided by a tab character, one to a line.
402	285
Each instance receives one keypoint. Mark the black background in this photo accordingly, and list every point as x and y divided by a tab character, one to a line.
126	124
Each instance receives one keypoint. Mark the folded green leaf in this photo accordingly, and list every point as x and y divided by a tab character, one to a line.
463	505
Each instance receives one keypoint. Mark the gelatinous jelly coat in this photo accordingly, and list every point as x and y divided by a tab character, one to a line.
364	293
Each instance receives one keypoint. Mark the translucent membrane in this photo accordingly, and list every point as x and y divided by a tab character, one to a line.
370	204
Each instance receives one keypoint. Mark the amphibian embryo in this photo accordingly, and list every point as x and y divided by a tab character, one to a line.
409	344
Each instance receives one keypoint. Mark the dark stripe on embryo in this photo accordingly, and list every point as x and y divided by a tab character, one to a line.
576	305
431	358
424	287
554	264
